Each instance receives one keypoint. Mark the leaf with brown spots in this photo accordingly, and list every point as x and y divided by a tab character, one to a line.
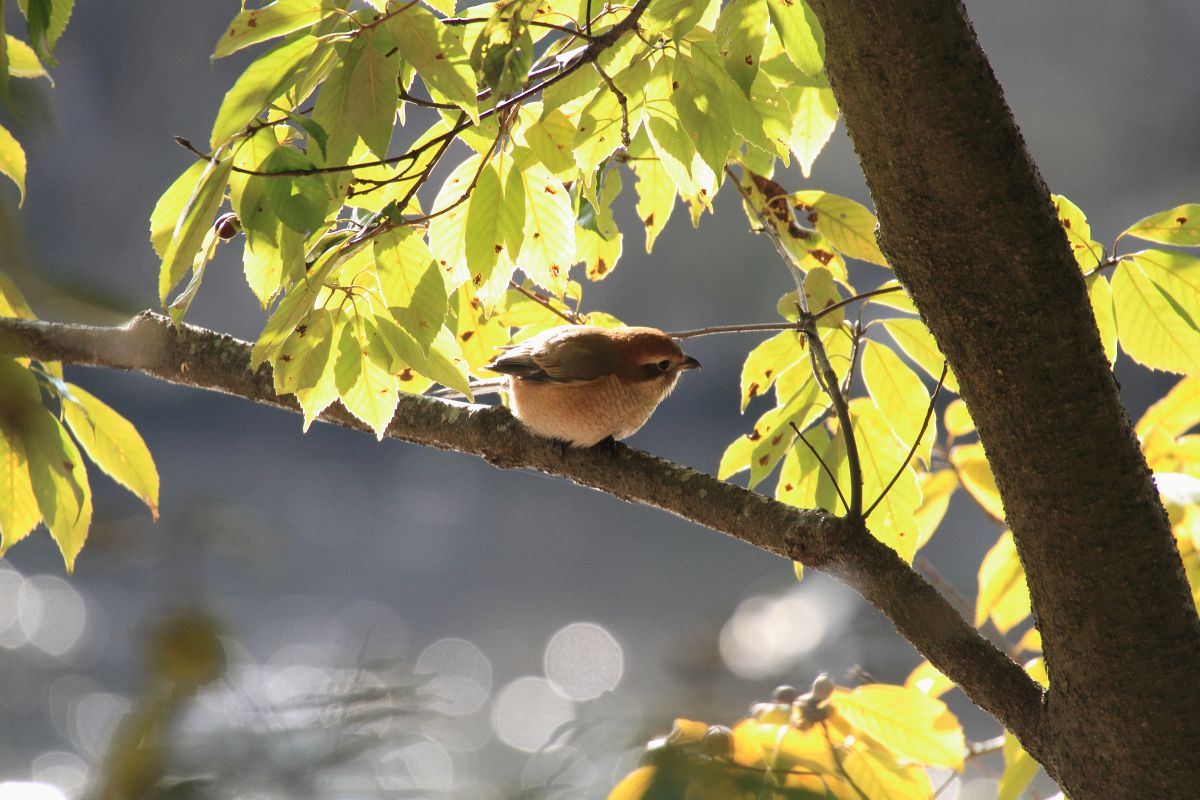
1179	226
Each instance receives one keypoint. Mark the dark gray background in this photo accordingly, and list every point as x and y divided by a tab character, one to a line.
285	536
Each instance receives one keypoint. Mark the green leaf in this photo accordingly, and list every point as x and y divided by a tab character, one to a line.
254	25
548	241
46	20
917	343
438	54
321	395
741	30
304	355
412	283
60	483
301	202
264	80
599	131
671	143
208	247
881	456
112	443
373	94
766	361
1178	226
192	223
1088	253
1152	331
448	231
1177	275
706	108
444	363
899	395
22	61
12	161
503	51
1100	296
1003	593
848	225
800	33
332	110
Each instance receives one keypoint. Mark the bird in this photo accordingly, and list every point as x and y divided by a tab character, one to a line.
584	385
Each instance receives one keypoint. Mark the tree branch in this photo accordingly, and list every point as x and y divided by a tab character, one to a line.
844	549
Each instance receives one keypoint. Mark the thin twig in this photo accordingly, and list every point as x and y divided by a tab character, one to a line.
757	326
824	466
916	443
855	298
622	100
537	298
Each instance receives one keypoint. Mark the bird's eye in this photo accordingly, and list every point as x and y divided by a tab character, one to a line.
663	365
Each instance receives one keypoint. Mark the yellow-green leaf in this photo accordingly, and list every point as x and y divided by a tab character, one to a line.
656	197
800	33
1177	275
766	361
368	391
900	396
976	476
1152	331
927	679
740	32
936	490
881	456
1088	253
12	302
1019	770
483	244
112	443
910	723
1178	226
193	221
12	161
371	104
254	25
438	54
1100	296
552	138
917	343
19	512
958	419
60	483
1176	413
548	243
412	283
264	80
305	354
1003	593
876	772
847	224
22	61
448	231
814	116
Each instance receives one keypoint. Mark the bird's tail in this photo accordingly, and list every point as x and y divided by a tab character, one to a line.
488	386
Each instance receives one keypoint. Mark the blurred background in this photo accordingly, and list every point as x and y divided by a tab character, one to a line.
397	621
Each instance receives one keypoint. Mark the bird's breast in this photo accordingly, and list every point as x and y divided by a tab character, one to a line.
587	412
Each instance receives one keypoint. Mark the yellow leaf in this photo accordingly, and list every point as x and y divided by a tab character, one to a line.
815	115
917	343
19	512
1176	413
1003	593
928	680
656	197
1100	296
1088	253
548	245
766	361
881	456
877	774
936	490
1019	770
976	476
1030	642
12	161
1178	226
958	419
634	785
448	231
900	396
911	724
12	303
60	483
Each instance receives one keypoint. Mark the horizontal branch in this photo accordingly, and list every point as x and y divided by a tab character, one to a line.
199	358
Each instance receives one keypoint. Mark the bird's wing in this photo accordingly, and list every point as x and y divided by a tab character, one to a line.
563	356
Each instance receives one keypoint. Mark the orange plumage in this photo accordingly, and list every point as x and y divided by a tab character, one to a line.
583	384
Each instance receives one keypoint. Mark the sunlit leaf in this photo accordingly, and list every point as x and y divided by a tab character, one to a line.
301	202
1003	594
815	115
917	343
936	490
193	221
1177	275
552	139
958	419
900	396
59	481
12	161
656	198
1178	226
976	476
305	354
447	231
1019	770
911	724
22	61
368	391
254	25
767	360
12	302
1176	413
800	33
927	679
264	80
740	32
112	443
1089	253
1100	296
848	225
548	243
876	773
372	95
412	283
1152	331
802	409
444	363
438	55
19	512
881	457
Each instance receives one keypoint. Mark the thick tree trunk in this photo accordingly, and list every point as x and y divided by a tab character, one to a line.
966	221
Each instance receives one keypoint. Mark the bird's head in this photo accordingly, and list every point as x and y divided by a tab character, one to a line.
648	354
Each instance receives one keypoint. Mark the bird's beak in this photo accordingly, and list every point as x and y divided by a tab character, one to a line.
690	363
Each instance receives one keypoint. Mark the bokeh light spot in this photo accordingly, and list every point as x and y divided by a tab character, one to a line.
583	660
528	711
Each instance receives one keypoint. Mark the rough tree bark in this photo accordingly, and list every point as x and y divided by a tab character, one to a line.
967	223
